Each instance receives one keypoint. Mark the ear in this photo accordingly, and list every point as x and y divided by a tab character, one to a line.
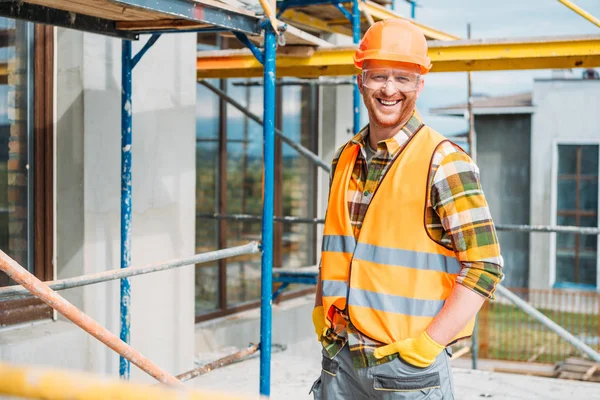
421	86
359	81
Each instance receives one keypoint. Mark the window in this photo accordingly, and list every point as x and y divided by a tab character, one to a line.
577	205
229	181
26	181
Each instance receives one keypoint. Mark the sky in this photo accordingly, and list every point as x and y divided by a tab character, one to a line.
489	19
492	19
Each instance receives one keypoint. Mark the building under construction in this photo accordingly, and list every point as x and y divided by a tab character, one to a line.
164	175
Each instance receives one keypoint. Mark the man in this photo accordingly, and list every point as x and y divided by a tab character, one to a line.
409	250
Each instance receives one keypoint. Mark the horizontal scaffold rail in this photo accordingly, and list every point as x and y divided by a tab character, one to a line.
446	56
114	274
580	230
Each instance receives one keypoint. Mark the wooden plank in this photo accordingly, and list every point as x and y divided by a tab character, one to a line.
161	24
460	353
590	372
100	9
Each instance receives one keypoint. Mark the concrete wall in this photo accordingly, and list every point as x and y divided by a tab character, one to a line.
336	119
566	110
503	151
88	202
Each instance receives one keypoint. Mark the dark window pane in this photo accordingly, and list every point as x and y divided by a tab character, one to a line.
567	159
14	154
565	267
567	194
589	195
589	160
207	288
587	268
588	241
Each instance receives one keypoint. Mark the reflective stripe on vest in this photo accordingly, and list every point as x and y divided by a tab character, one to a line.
394	279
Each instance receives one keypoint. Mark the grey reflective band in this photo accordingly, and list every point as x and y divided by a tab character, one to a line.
407	258
395	304
338	243
334	288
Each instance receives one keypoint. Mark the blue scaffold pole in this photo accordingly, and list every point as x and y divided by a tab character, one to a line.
268	205
356	40
126	118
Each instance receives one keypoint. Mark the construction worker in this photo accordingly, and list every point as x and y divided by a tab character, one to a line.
410	251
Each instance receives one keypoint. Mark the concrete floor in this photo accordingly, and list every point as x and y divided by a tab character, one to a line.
294	370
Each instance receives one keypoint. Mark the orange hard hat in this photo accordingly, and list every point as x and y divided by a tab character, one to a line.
394	40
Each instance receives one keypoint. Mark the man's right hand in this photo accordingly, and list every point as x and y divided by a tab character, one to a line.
318	317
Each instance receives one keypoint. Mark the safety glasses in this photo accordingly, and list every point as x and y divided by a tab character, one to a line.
401	80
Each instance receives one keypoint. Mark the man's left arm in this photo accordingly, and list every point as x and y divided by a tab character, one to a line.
458	200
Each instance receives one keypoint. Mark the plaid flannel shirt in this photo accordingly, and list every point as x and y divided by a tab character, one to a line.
457	217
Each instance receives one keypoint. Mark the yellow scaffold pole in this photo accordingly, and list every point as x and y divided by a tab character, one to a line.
581	12
54	384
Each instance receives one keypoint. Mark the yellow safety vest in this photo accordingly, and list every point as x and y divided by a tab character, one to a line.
395	278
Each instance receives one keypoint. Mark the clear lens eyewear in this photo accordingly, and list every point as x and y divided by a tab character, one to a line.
402	81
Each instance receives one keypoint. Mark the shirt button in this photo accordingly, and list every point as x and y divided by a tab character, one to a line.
366	193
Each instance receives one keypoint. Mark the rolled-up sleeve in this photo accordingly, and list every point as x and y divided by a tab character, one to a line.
458	200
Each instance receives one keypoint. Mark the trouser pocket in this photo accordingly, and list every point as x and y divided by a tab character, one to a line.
315	389
418	383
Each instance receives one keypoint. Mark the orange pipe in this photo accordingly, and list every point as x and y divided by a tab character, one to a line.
84	321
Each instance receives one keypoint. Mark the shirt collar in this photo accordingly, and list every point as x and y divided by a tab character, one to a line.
395	143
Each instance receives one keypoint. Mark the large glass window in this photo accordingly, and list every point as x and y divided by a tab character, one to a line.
577	205
230	178
25	158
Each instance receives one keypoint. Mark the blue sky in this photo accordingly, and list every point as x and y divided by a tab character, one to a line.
492	19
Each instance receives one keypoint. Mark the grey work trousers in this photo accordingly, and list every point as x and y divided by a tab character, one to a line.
393	380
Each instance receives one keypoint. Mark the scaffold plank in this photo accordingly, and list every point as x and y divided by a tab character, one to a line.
128	18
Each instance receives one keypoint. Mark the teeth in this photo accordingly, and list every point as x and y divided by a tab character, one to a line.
388	103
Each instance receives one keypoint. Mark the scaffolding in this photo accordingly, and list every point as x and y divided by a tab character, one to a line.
128	19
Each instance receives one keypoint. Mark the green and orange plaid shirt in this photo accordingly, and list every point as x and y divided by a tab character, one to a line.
457	216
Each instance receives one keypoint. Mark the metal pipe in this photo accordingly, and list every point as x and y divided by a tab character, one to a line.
549	229
356	40
581	12
302	82
258	218
114	274
298	147
55	384
268	208
471	139
270	14
82	320
502	227
144	49
126	124
221	362
559	330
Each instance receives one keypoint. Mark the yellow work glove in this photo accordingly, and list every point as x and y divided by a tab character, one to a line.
319	322
420	351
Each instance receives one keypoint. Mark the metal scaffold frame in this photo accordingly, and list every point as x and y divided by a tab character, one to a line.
201	16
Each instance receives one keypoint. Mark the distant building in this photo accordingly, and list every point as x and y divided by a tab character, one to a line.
539	159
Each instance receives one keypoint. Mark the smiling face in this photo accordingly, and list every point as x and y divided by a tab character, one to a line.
389	98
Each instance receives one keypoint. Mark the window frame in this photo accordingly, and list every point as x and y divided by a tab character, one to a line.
41	205
223	308
554	211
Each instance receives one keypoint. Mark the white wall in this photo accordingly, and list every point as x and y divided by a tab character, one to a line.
336	119
88	201
565	110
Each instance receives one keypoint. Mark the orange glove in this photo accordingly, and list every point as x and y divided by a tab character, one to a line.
420	351
319	322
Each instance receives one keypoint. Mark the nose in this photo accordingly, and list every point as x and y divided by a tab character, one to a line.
389	88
